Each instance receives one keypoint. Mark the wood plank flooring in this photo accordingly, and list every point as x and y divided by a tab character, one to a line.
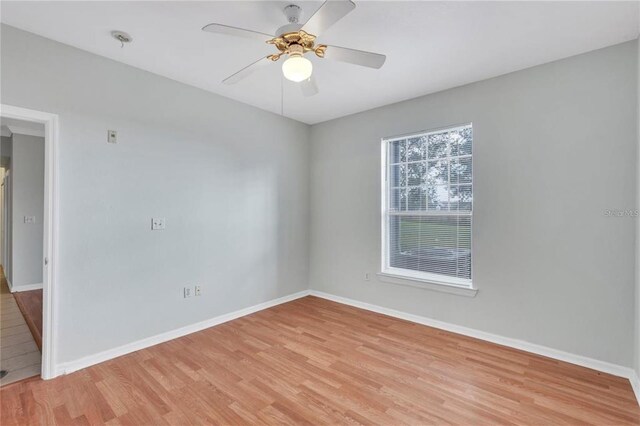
19	353
30	304
312	361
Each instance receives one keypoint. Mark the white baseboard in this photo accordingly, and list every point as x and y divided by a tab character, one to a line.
605	367
25	287
635	384
71	366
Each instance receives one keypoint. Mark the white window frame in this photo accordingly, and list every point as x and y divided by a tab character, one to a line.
409	276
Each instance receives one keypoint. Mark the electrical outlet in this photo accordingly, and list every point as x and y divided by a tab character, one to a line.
187	292
367	277
158	223
29	219
197	291
112	136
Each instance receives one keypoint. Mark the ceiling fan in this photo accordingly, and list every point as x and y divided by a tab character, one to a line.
294	40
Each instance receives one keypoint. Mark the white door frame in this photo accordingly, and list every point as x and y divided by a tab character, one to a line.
50	226
6	210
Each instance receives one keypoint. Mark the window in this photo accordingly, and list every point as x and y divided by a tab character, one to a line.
427	204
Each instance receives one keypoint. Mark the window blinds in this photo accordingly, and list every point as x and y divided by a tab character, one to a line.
428	208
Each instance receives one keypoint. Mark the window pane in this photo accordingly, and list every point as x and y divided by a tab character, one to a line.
417	199
461	170
398	175
437	145
416	149
464	142
460	141
416	173
438	172
437	197
397	151
461	197
434	244
398	199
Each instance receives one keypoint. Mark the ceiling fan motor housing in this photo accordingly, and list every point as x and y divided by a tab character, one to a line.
296	43
289	28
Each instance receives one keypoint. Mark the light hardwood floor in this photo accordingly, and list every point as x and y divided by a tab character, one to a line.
19	354
313	361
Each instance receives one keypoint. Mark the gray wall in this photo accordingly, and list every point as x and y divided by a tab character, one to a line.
231	181
554	146
27	193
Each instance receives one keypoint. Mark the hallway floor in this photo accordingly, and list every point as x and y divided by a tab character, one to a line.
19	353
30	304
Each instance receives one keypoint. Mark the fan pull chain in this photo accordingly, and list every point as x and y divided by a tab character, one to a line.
281	95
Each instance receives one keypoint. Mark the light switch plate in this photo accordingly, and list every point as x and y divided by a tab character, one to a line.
158	223
29	219
112	136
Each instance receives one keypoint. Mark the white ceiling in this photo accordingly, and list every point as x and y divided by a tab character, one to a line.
430	46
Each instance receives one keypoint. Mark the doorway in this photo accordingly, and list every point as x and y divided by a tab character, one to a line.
43	256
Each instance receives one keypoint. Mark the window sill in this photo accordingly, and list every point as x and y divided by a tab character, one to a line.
427	284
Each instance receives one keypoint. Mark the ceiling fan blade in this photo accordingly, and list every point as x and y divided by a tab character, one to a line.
309	87
328	14
234	31
246	71
353	56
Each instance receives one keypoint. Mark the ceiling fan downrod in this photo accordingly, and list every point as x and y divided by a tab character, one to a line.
293	12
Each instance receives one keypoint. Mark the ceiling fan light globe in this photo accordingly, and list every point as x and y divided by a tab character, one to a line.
297	68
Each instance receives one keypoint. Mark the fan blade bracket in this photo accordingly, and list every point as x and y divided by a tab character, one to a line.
300	38
320	50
